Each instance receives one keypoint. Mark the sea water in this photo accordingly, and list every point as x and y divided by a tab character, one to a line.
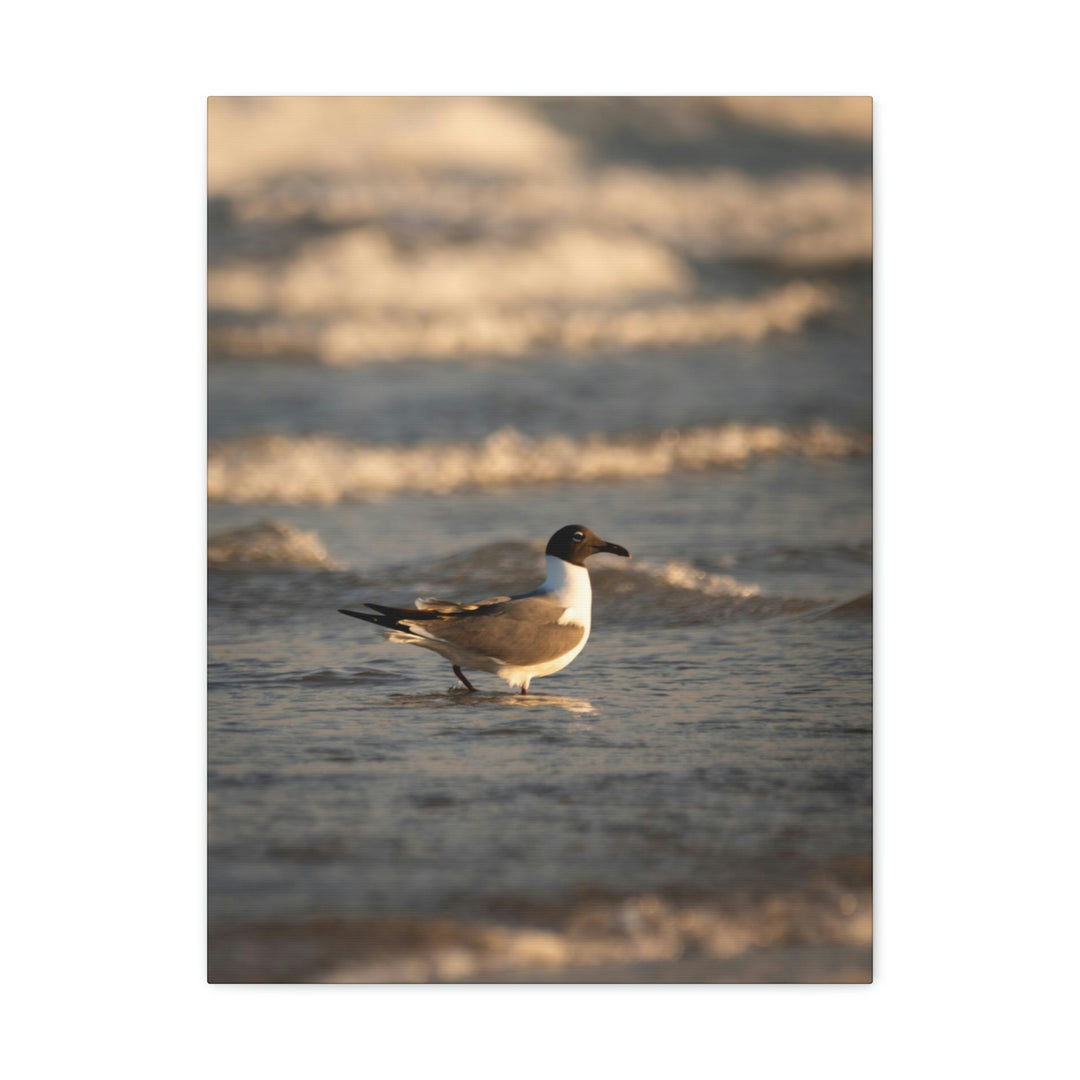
690	800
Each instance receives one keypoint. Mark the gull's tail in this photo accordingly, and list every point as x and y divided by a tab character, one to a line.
390	618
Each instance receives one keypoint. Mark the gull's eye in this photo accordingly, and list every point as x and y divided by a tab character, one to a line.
578	537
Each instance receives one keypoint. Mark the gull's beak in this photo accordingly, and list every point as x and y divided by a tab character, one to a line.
612	549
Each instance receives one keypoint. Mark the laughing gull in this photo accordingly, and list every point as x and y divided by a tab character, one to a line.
518	638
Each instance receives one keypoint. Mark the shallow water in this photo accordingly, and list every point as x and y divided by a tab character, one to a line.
714	735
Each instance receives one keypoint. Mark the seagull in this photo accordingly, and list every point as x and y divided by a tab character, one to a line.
518	638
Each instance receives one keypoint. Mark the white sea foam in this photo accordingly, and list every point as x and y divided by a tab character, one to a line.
363	271
812	217
683	575
396	335
327	469
644	929
253	139
250	139
376	229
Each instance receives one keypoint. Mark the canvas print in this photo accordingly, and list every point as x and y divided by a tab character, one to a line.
539	540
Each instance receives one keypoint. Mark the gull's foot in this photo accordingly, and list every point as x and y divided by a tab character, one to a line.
460	674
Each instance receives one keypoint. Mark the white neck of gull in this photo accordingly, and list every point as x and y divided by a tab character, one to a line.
570	585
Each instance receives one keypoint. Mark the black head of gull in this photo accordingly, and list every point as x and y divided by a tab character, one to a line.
575	543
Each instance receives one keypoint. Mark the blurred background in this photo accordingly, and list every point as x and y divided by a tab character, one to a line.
439	329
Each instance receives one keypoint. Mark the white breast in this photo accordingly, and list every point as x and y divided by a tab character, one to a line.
571	587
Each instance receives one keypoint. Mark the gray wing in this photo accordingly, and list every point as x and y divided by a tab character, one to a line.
520	632
433	603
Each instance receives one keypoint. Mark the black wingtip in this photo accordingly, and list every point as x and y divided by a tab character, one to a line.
354	614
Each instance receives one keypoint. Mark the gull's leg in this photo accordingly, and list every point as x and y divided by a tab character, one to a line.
525	689
458	672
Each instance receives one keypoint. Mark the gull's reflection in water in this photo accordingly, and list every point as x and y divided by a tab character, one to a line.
458	696
539	701
531	700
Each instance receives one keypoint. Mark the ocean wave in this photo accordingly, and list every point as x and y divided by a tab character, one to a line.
251	139
679	574
267	545
355	229
364	271
327	469
647	594
500	168
810	218
495	564
642	593
593	934
494	332
677	593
